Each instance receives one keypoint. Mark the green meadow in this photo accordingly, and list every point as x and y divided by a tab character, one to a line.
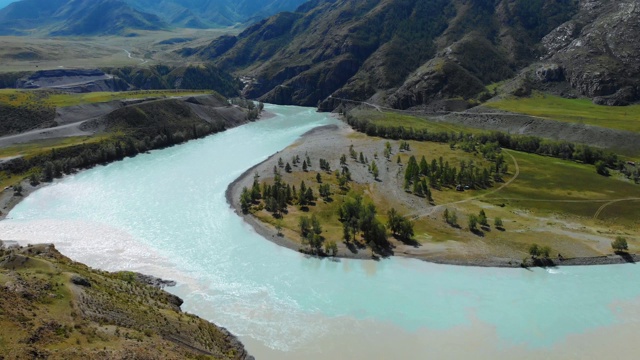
59	99
582	111
567	187
388	118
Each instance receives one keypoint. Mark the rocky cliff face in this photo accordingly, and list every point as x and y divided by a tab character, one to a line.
597	51
407	53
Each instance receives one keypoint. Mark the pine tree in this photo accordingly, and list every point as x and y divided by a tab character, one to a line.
374	170
473	222
482	218
302	199
245	200
417	188
315	225
424	167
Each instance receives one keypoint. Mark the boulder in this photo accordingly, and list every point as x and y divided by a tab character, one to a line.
80	281
550	73
622	97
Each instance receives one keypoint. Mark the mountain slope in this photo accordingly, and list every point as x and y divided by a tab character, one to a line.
408	53
4	3
212	13
54	308
75	17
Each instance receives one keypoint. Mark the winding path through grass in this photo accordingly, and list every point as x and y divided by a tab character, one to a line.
611	202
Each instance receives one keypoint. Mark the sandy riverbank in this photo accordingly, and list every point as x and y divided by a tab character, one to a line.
329	142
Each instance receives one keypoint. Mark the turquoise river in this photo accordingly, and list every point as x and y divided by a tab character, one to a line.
165	214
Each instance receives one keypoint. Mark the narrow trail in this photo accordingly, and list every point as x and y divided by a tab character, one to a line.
142	61
611	202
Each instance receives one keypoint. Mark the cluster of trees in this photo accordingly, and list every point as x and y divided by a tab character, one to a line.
440	174
325	165
276	197
450	217
310	231
306	163
279	195
537	251
529	144
357	217
475	220
55	164
400	226
343	177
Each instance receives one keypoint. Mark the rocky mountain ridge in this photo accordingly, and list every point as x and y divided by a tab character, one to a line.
75	17
213	13
123	17
409	53
156	77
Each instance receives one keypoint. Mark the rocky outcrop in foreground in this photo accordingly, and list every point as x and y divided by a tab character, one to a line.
55	308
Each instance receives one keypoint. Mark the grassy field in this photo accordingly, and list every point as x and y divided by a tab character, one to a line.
573	110
32	53
388	118
58	99
17	97
64	100
38	147
565	187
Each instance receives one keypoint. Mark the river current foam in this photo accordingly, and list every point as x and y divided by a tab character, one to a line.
165	214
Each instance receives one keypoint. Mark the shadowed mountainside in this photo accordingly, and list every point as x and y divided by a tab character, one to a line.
407	53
